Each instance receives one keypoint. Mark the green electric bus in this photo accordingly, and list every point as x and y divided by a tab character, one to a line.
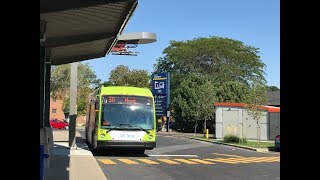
121	117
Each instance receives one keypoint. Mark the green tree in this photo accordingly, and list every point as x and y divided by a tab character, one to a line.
123	76
232	91
272	88
230	64
222	59
207	97
255	100
60	85
193	101
139	78
107	83
119	76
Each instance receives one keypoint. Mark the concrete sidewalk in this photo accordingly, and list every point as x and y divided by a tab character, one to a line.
72	164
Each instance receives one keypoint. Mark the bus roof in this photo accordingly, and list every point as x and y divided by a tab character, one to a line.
125	90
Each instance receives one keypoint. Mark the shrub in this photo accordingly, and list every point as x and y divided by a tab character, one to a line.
231	139
243	141
234	139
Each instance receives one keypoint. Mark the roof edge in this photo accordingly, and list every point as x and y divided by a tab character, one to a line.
232	104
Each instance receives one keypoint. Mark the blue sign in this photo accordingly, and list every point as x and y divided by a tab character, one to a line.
160	83
161	92
159	87
160	102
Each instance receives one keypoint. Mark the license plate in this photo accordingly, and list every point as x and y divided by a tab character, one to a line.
126	136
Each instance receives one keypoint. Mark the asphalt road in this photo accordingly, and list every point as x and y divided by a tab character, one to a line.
181	158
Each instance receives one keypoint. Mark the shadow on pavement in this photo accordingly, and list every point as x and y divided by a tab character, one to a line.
80	140
273	149
59	164
117	153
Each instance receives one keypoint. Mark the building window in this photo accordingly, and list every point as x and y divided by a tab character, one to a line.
54	100
54	111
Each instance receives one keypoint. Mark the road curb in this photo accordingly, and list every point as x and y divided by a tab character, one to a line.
233	145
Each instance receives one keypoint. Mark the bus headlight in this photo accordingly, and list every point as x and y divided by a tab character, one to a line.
150	136
102	135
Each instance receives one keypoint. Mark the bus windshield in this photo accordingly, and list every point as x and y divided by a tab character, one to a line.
133	116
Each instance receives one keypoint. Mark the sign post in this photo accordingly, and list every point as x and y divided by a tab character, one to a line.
161	93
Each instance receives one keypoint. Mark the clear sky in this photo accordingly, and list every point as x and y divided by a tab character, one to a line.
254	22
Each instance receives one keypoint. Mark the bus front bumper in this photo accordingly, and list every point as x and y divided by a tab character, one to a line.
126	144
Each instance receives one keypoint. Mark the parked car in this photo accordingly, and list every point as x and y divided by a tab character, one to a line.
277	142
55	123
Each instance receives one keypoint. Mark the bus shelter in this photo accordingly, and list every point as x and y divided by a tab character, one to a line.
73	31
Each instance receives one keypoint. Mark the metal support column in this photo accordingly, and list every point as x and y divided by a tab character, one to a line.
42	76
73	104
45	72
47	92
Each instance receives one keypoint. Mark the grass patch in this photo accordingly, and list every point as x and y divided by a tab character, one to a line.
241	142
254	144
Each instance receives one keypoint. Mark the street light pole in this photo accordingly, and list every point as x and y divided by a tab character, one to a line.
73	104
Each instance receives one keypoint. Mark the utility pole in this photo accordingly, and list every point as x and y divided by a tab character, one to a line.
73	104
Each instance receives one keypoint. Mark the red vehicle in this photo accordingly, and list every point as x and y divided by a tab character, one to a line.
55	123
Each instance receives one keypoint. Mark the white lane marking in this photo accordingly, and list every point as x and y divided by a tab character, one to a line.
169	155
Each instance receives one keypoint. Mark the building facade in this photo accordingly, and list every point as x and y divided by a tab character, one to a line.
56	112
234	119
56	109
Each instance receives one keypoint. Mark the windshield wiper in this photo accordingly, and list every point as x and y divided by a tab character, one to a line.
117	127
129	125
140	128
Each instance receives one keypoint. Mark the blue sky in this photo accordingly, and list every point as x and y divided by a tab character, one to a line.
254	22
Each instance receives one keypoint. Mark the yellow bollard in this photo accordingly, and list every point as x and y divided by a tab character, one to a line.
207	133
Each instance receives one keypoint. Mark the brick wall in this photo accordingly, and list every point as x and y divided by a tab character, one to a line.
56	111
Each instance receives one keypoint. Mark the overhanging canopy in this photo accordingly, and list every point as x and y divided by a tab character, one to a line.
77	30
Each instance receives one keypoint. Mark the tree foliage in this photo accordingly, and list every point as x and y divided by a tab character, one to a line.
222	59
232	91
82	98
230	66
207	97
60	85
193	101
272	88
123	76
255	100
